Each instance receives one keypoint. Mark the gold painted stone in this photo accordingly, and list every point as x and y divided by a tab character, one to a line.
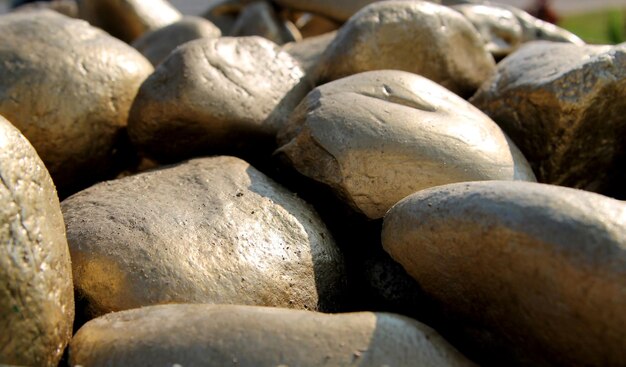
128	19
66	7
224	335
36	294
379	136
216	95
68	87
415	36
534	270
211	230
158	44
563	106
260	19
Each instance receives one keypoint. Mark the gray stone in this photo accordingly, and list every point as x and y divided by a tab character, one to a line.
158	44
377	137
562	105
309	50
36	294
531	270
216	95
211	230
68	87
218	335
415	36
260	19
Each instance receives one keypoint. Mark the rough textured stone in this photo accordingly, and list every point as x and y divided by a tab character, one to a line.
157	45
212	230
68	87
563	106
260	19
36	294
128	19
533	269
415	36
66	7
215	95
377	137
217	335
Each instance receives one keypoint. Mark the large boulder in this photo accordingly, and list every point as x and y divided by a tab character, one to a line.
377	137
128	19
532	271
36	293
215	95
220	335
415	36
158	44
562	105
211	230
68	87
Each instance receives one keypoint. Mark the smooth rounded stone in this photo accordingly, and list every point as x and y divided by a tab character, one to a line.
66	7
536	270
415	36
224	13
534	29
499	27
311	25
260	19
36	293
309	50
211	95
562	105
158	44
68	87
211	230
224	335
379	136
338	10
128	19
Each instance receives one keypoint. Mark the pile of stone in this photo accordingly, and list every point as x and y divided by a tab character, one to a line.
309	183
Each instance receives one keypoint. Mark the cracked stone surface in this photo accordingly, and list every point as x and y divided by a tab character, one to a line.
534	272
562	104
415	36
379	136
36	293
231	235
128	19
221	335
213	95
68	87
158	44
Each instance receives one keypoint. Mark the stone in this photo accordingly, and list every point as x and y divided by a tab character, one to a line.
415	36
532	269
562	105
216	95
211	230
36	294
338	10
224	13
68	87
311	25
128	19
66	7
158	44
309	50
223	335
260	19
379	136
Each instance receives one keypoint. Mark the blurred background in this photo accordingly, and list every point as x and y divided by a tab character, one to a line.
595	21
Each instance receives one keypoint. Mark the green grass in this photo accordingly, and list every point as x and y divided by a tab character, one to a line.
603	27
